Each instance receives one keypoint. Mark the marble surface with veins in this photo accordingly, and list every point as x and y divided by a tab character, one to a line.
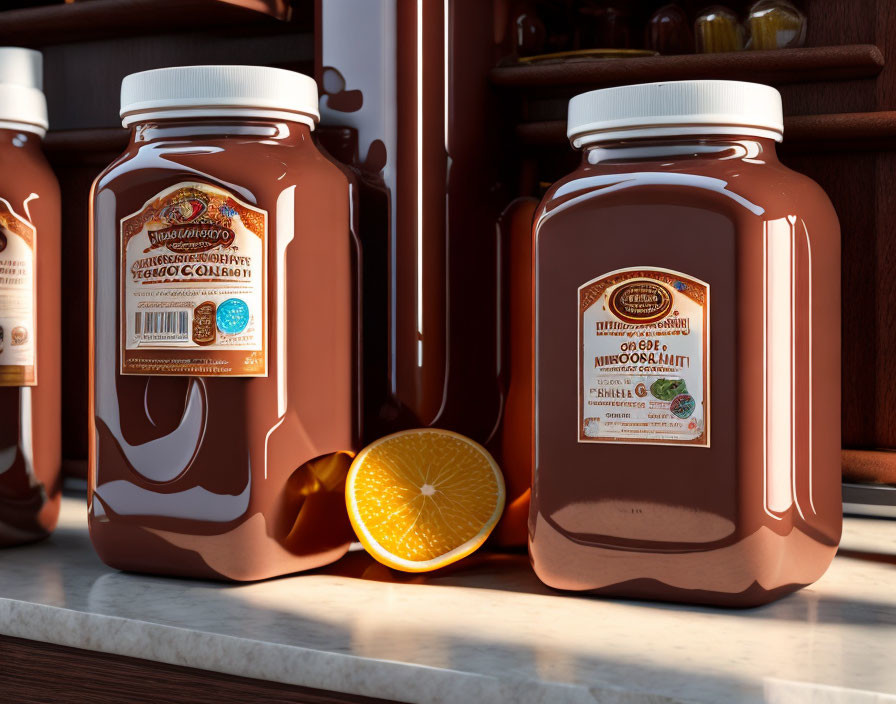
484	631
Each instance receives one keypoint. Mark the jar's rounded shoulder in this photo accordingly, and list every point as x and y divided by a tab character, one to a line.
27	172
108	175
271	170
767	190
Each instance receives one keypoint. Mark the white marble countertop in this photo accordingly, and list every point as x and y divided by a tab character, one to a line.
487	632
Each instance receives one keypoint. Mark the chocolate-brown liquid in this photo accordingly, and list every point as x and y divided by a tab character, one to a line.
735	523
240	498
30	416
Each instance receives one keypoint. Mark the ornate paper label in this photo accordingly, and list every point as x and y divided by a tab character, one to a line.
644	358
18	298
194	285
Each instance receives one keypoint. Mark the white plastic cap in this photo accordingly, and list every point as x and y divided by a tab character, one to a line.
22	102
675	108
219	91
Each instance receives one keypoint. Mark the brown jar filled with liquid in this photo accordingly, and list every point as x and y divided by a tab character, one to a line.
224	331
687	353
30	416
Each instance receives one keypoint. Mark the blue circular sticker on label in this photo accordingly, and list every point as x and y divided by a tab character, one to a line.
233	316
683	406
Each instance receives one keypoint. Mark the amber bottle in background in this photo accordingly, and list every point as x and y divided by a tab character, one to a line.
30	415
222	354
687	353
419	108
515	449
527	31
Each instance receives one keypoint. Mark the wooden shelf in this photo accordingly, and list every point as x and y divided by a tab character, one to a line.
79	21
858	130
874	466
863	130
775	67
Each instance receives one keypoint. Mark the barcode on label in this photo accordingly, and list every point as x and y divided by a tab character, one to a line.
162	326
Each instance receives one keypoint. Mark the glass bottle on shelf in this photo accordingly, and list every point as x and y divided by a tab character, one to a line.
718	29
561	20
776	24
604	24
669	31
526	29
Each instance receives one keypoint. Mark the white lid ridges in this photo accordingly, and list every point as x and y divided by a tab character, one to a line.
188	91
677	107
22	100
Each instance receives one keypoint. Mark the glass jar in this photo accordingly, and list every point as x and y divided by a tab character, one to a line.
718	29
668	31
776	24
687	416
224	329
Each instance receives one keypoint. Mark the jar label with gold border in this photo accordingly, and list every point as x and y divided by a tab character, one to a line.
644	358
194	285
18	299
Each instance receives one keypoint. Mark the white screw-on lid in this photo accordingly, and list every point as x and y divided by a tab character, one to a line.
22	101
219	91
675	108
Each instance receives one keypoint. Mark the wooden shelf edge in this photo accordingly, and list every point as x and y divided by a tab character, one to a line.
842	127
776	67
874	466
80	21
862	130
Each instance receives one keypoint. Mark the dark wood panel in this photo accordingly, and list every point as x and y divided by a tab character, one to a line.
881	318
41	673
83	80
51	24
868	130
85	146
77	157
774	67
75	181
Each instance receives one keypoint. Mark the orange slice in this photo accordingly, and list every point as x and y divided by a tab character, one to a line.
422	499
